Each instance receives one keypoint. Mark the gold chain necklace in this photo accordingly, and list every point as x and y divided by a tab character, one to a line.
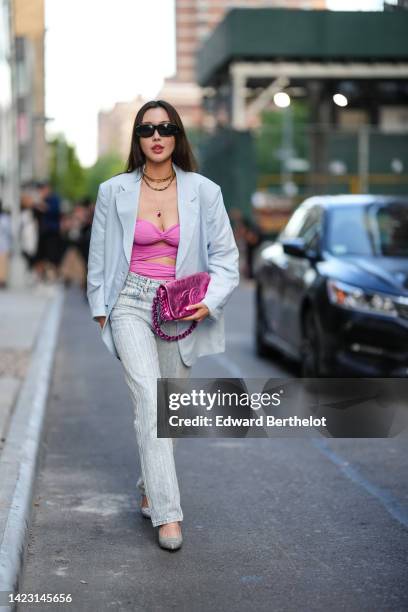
157	180
159	188
158	212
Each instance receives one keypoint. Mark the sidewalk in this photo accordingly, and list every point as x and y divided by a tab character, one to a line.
28	332
21	313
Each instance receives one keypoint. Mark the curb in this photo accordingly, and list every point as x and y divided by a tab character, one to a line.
20	455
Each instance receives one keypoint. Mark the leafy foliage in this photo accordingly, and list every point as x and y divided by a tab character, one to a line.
71	180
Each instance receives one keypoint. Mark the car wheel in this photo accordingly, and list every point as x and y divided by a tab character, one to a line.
310	349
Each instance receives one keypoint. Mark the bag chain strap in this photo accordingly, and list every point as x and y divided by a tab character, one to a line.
157	302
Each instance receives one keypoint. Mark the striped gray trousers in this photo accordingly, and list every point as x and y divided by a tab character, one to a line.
146	357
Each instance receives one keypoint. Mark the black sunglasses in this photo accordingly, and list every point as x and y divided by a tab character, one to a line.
145	130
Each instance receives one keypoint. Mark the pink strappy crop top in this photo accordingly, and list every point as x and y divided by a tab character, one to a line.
145	246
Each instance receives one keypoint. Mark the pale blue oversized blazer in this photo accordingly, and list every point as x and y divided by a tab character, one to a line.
206	244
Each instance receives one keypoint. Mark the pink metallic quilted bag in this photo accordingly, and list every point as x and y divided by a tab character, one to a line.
171	301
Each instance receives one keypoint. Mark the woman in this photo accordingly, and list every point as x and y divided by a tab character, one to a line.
160	220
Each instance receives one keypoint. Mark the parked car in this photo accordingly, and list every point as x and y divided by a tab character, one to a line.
332	290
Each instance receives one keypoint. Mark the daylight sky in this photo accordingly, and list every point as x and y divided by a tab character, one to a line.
99	52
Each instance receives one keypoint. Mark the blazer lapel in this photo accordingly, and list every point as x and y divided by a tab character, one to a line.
127	202
127	205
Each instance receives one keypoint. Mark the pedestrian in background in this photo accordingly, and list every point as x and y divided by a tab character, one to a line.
74	228
253	237
158	208
5	244
88	207
50	247
248	236
238	228
28	227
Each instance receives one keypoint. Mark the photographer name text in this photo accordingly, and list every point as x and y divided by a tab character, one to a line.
259	421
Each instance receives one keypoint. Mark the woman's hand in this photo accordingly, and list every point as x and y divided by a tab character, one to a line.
101	321
199	315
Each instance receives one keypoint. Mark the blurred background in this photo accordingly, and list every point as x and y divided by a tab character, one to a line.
283	101
293	97
298	109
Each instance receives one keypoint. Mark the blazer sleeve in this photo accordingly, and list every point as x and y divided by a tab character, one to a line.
96	258
223	258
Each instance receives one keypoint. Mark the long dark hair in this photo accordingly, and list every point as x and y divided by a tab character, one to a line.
182	155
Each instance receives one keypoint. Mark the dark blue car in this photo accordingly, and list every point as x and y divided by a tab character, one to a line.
332	291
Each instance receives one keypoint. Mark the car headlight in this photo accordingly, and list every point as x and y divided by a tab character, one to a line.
355	298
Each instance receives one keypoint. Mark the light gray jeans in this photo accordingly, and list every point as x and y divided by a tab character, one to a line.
146	357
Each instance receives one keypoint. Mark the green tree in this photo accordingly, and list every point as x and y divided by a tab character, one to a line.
67	176
106	166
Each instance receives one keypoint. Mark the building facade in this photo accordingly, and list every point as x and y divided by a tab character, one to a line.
29	30
115	128
196	19
8	144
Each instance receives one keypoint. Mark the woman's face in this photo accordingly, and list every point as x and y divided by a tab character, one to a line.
167	143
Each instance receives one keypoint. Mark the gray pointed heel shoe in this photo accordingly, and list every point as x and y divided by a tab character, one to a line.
146	512
170	543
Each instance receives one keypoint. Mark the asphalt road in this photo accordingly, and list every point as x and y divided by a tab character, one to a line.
269	524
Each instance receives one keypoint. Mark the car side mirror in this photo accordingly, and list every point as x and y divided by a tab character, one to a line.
297	248
294	246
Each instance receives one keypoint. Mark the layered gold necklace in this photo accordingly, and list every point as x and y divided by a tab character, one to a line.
169	178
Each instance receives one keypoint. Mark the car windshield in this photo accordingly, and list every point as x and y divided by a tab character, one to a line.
377	230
